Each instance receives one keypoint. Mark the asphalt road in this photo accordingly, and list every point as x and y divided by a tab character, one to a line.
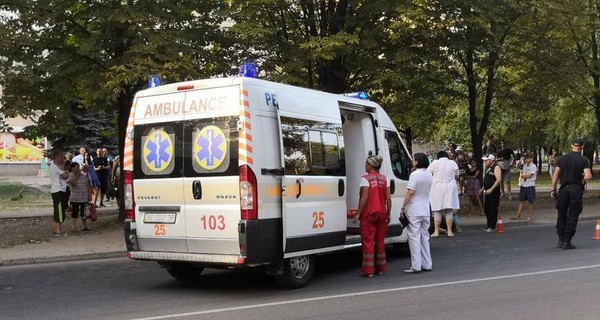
516	275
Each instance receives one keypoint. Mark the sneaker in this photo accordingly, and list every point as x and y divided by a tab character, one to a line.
490	230
510	197
411	270
425	270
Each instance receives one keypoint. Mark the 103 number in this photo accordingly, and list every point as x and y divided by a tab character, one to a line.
213	222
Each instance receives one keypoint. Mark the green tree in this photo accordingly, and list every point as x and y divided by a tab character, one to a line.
101	53
330	45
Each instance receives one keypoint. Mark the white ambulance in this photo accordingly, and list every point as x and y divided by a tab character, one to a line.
241	172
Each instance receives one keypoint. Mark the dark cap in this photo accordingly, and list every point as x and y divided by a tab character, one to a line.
577	142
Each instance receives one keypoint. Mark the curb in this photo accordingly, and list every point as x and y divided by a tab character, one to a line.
80	257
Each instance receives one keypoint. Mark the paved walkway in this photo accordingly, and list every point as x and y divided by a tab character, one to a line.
111	243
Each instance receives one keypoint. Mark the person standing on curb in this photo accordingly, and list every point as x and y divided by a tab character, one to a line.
528	176
58	180
573	170
491	191
80	196
444	193
416	208
373	212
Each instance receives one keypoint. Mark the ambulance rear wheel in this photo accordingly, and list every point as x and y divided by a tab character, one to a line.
184	271
297	272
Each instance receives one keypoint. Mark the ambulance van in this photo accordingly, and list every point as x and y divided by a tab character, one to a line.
241	172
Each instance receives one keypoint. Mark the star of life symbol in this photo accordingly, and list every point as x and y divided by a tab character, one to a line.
210	147
158	150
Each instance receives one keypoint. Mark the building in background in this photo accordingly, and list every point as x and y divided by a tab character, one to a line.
19	155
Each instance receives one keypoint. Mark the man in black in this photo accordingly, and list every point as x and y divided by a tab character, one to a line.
573	169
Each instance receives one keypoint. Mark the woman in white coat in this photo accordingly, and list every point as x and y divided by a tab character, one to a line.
444	193
416	208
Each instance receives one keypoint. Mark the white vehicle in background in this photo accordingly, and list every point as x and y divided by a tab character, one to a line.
241	172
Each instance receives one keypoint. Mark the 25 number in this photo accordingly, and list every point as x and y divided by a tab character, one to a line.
159	230
213	222
318	220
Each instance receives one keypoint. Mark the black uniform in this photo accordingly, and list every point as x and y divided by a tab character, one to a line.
492	200
570	194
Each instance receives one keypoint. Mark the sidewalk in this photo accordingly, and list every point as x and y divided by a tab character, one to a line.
78	246
111	243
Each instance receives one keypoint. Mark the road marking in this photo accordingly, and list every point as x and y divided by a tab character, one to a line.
363	293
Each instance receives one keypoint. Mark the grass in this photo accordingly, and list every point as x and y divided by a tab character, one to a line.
19	197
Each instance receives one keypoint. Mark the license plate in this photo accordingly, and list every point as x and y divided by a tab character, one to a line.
160	217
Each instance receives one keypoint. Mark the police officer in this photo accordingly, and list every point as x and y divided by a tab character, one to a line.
572	169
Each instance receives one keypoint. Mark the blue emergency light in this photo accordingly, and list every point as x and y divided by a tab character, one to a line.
154	81
249	69
358	95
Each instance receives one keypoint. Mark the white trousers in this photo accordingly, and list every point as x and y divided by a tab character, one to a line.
418	242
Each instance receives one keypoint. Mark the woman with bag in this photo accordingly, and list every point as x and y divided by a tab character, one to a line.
80	196
416	208
374	214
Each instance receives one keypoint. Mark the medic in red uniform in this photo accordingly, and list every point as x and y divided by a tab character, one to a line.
374	215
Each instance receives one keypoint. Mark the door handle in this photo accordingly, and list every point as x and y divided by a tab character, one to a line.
299	182
197	189
392	186
341	187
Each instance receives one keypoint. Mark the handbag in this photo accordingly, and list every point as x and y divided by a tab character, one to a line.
91	212
403	219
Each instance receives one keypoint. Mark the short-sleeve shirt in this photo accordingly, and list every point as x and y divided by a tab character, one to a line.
571	168
79	192
527	169
58	183
419	181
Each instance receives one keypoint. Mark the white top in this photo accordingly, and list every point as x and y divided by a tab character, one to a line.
527	169
363	182
419	181
58	183
444	193
79	159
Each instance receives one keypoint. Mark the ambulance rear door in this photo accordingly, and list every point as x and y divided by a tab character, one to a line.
211	184
158	180
314	183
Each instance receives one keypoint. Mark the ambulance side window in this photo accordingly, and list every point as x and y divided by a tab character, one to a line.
399	158
160	146
312	148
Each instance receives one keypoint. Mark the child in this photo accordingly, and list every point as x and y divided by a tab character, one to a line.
527	192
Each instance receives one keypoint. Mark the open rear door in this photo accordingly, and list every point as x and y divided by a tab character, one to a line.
314	183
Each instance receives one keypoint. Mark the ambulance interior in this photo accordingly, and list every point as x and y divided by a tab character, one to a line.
359	142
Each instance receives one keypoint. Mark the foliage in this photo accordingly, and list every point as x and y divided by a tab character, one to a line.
100	53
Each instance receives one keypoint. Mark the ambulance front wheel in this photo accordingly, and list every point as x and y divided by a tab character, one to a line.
297	272
183	271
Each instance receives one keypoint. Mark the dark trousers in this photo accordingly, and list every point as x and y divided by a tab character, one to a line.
59	203
491	209
569	206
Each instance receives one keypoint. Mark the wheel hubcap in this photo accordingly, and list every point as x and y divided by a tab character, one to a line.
299	266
